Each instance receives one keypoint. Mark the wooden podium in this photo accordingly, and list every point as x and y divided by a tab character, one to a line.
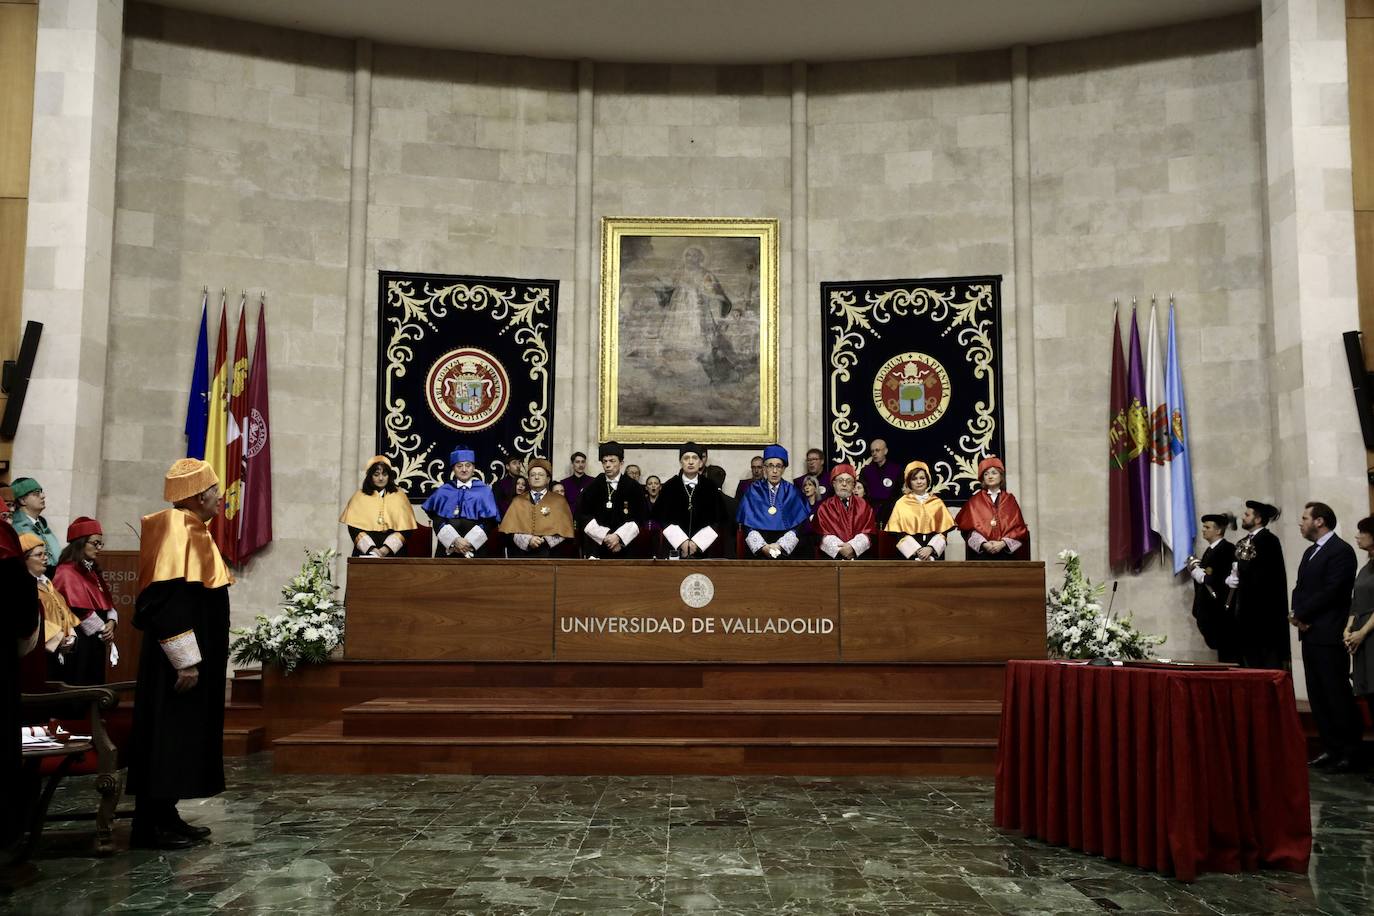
594	666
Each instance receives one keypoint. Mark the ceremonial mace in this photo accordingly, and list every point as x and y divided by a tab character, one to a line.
1245	550
1193	562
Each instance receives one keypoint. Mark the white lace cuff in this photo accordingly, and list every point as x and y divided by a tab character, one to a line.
907	547
674	536
596	531
628	532
788	542
754	541
521	540
860	543
363	543
395	543
182	650
830	546
447	536
476	537
704	538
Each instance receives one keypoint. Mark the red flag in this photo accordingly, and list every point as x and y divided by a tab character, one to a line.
215	433
1118	454
233	464
255	531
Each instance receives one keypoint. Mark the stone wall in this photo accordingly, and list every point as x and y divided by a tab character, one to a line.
1147	176
1148	179
233	172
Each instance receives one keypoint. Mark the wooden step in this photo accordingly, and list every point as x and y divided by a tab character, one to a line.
240	741
326	749
661	719
243	714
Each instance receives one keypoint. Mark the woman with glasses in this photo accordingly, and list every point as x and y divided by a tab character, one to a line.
79	580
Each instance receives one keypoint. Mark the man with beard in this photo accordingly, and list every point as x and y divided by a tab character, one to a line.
1258	593
689	511
612	509
845	522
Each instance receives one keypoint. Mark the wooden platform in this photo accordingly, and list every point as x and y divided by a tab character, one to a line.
473	667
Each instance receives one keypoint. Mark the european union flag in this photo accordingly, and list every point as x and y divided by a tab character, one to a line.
198	400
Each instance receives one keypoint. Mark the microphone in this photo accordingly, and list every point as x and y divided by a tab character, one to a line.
1112	600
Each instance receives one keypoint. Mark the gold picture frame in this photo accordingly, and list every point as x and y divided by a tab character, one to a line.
689	330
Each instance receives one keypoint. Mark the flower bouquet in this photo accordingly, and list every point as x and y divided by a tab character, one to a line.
1077	626
309	627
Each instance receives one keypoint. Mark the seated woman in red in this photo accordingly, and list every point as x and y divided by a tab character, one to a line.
79	579
991	520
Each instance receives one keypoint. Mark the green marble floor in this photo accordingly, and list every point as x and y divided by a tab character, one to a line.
638	845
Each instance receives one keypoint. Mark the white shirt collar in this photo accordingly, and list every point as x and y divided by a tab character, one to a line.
1324	538
464	484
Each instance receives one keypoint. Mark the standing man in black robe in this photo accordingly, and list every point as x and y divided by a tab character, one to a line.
1259	583
689	511
611	510
1321	608
1215	621
22	616
177	747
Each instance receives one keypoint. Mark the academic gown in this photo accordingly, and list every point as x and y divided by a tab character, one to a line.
177	746
699	516
983	519
782	526
1261	605
1215	621
376	519
462	509
91	601
926	522
549	518
572	487
22	616
622	511
882	486
852	522
742	487
504	492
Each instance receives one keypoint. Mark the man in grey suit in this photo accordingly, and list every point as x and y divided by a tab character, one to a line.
1321	607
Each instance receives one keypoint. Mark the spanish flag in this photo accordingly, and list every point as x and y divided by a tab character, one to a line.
217	430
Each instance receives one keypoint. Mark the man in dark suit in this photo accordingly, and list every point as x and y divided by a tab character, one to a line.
612	509
1259	583
1321	607
1215	620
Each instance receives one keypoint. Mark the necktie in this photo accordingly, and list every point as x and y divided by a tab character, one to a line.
538	495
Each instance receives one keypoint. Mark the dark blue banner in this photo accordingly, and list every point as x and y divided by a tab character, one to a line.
463	361
916	363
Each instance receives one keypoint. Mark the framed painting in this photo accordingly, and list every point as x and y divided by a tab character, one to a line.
689	331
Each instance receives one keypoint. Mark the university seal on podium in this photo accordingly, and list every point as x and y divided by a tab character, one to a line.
467	389
697	590
911	390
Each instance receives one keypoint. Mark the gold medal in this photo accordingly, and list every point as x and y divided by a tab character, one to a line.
543	510
772	510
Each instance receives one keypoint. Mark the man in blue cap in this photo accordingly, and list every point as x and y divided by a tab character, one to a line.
772	512
463	511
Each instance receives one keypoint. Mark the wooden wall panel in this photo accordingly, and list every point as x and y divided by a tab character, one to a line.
943	612
18	45
1360	53
449	610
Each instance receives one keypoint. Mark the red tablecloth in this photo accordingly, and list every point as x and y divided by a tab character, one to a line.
1176	771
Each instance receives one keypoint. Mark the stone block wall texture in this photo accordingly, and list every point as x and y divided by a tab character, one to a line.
472	170
67	258
1147	170
233	172
695	141
1148	179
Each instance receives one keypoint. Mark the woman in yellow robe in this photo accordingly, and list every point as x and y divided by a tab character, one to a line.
379	515
59	623
921	516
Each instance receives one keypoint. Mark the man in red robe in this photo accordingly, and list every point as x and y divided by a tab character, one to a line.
845	522
991	520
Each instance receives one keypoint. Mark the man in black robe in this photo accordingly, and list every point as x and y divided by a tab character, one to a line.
689	511
22	615
611	510
1215	621
177	747
1260	582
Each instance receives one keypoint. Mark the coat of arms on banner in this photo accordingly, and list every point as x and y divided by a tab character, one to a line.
463	360
917	364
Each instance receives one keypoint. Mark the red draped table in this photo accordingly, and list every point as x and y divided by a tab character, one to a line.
1174	770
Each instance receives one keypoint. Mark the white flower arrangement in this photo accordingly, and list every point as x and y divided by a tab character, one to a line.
309	627
1077	626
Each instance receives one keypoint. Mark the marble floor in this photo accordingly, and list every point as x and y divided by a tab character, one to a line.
638	845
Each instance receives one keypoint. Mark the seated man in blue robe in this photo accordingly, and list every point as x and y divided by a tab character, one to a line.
463	511
772	513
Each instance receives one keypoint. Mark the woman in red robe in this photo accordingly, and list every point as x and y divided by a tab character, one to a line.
78	578
991	520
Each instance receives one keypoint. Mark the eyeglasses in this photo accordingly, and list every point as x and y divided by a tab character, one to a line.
95	543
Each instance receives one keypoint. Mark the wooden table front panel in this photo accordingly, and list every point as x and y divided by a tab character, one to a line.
120	571
935	612
441	610
734	626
